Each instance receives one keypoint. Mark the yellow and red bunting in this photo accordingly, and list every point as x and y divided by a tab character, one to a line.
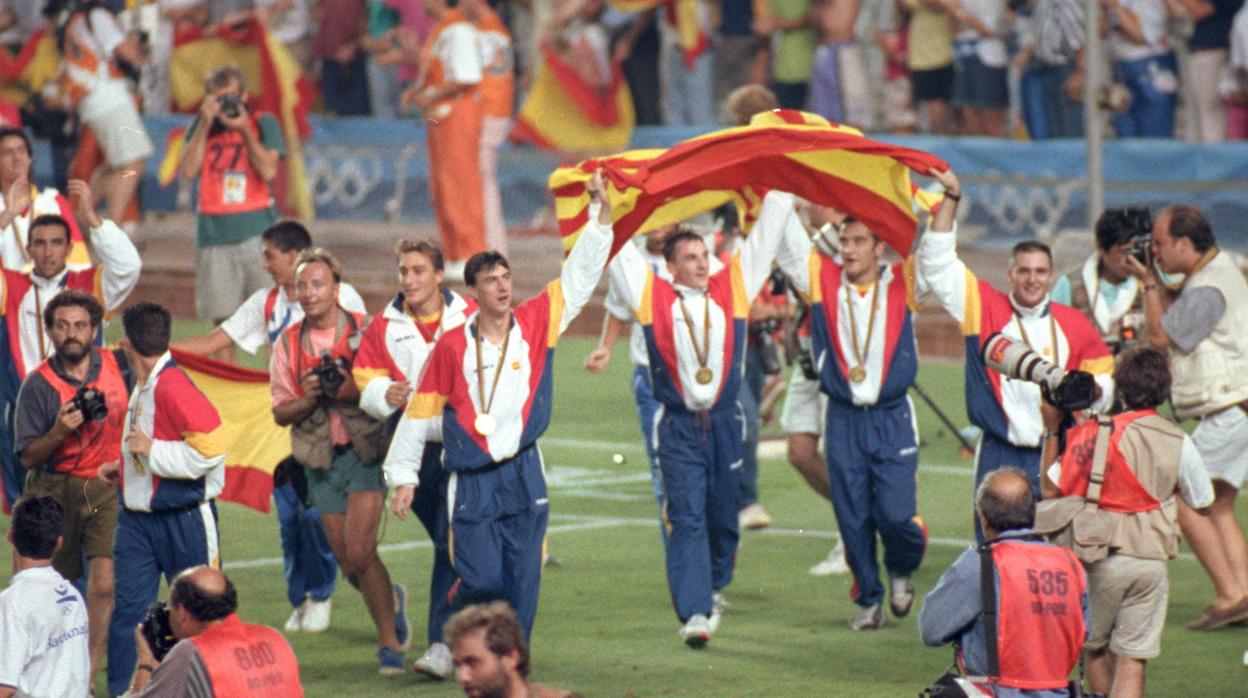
564	113
802	153
275	85
256	444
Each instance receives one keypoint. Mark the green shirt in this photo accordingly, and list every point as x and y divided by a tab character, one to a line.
234	228
794	48
381	19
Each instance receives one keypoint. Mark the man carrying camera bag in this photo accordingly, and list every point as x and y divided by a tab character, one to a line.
340	446
235	155
202	648
69	418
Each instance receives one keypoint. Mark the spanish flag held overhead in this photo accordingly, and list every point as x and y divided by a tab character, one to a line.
34	65
255	443
275	84
793	151
563	112
684	15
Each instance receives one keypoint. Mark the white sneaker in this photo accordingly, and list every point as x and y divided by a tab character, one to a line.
316	615
718	603
869	618
294	623
696	631
754	516
901	595
833	564
435	662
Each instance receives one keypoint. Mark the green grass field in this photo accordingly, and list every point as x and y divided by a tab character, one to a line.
605	625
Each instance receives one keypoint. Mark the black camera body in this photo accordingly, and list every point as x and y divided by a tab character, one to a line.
91	403
1137	223
328	373
231	105
158	631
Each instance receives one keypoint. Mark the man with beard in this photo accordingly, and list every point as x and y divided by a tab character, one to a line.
492	656
68	423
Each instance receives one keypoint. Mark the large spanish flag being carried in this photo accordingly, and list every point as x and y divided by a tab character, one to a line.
275	84
793	151
562	112
32	67
256	443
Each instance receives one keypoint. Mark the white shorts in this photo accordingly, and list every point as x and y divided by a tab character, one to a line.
121	135
804	405
1222	439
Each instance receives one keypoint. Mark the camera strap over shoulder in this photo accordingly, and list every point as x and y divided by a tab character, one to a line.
988	600
1100	453
338	330
123	365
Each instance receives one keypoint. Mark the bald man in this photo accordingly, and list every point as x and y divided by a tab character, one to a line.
1041	594
217	654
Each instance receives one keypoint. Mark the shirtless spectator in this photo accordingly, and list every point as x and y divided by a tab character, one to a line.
839	80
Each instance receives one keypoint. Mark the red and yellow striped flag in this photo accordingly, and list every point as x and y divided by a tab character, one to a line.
32	67
274	82
802	153
562	112
256	444
681	14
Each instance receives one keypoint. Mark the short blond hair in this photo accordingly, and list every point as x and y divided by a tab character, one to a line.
746	101
322	255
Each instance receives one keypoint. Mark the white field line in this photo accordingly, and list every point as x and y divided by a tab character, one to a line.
587	523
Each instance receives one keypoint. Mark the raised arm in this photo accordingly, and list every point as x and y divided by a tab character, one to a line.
760	247
939	269
588	258
119	260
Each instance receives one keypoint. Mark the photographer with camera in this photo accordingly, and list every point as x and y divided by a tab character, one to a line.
1204	331
173	466
1121	475
339	445
68	422
1104	289
1007	409
235	155
197	646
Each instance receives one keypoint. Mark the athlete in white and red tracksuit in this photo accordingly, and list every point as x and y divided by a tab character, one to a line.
695	330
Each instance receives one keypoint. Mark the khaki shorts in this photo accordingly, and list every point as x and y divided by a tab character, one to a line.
226	275
804	405
1129	598
328	489
1222	440
90	517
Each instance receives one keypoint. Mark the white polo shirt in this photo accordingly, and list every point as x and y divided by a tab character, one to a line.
43	635
251	329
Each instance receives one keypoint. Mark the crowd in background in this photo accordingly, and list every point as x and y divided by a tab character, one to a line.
1006	68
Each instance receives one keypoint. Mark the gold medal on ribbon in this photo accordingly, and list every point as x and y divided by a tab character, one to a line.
858	373
704	375
485	424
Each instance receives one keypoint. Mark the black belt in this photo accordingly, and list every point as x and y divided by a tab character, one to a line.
171	510
340	449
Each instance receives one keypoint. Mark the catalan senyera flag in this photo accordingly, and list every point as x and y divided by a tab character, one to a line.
681	14
275	84
793	151
256	443
563	113
34	65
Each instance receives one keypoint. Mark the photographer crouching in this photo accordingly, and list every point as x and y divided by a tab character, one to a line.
69	418
216	653
1111	497
339	445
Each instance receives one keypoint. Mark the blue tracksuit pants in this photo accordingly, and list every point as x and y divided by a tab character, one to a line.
700	458
309	564
873	458
429	505
146	546
992	453
498	531
647	408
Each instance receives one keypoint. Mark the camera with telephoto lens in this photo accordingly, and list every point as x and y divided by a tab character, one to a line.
158	631
90	402
1069	391
1137	225
328	373
230	105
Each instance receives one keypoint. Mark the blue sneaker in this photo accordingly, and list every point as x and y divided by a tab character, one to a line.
402	628
390	662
